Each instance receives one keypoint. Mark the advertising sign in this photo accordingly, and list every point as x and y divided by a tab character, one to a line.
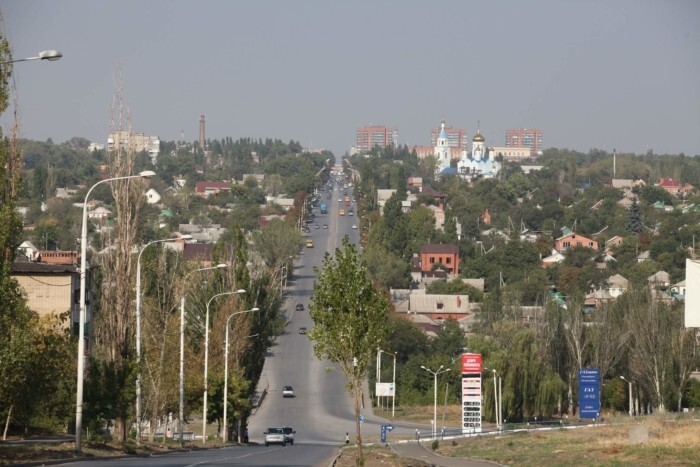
471	363
384	389
589	392
471	393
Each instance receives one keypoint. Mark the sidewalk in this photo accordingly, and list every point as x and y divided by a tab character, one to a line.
422	453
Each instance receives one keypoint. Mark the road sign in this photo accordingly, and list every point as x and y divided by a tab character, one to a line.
471	392
589	392
383	431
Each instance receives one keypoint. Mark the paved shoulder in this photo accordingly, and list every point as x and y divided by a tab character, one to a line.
420	452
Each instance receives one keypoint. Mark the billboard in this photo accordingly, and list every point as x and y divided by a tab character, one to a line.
471	363
589	392
692	293
385	389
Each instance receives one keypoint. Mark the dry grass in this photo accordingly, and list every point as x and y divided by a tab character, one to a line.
376	456
672	441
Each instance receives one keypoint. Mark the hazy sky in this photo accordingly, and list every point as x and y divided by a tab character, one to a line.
590	74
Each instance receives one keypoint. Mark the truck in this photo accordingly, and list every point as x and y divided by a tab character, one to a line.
324	208
347	201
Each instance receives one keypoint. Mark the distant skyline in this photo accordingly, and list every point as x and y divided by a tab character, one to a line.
589	74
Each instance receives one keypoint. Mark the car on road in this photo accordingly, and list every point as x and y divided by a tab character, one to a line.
300	307
354	226
275	436
287	391
309	243
317	226
289	434
325	226
302	330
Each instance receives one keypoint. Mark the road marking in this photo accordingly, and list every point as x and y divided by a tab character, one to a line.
256	453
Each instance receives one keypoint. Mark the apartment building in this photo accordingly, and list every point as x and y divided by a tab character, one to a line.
376	135
525	138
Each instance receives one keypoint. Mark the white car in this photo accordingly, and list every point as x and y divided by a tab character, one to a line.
354	226
275	436
287	391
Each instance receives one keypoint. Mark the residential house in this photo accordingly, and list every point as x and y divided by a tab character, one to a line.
203	233
198	252
152	196
596	299
612	243
617	285
284	203
572	240
672	186
445	255
644	256
52	286
439	216
206	189
100	213
678	288
552	259
659	279
625	203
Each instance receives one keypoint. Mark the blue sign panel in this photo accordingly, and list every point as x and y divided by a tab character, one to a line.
385	428
589	392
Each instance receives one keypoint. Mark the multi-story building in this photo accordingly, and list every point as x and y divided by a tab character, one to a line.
525	138
377	135
134	141
456	137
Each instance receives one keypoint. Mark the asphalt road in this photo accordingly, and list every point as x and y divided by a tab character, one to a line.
321	411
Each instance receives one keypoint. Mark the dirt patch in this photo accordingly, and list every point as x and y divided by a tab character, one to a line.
377	456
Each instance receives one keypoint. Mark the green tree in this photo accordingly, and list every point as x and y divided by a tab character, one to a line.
634	219
349	321
277	241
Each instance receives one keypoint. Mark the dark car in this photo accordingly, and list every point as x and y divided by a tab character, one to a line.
302	330
300	307
289	434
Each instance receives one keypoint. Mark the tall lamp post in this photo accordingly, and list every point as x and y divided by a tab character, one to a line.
49	55
181	414
497	397
225	430
435	375
629	385
206	360
138	330
83	311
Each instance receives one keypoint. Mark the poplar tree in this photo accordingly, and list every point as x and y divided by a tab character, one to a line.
350	321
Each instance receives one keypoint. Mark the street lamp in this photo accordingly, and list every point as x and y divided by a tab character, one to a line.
206	360
182	348
435	375
629	385
49	55
225	430
83	312
497	397
138	330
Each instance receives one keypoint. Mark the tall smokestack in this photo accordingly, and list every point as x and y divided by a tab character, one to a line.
202	138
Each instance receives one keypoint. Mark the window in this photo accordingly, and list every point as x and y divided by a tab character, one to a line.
448	260
432	260
440	306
